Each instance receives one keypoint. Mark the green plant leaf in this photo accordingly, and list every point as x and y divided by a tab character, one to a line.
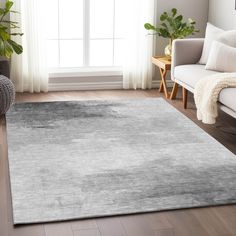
179	18
7	45
148	26
2	11
164	25
15	34
7	50
3	28
4	35
13	25
17	12
164	16
8	5
174	12
164	33
18	49
10	22
2	48
173	26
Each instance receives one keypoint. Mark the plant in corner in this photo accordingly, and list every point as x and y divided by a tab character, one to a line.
7	45
173	27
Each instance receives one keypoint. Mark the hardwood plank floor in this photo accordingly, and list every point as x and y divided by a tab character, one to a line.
111	226
211	221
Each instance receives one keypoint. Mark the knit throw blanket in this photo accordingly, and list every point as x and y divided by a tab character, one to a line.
206	95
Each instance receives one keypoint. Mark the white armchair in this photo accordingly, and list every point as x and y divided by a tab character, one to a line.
186	72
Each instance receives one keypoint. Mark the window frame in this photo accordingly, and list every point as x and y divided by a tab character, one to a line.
86	68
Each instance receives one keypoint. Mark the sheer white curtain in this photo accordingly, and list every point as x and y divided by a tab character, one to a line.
137	70
29	70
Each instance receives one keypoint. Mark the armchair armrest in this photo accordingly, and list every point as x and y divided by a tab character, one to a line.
186	51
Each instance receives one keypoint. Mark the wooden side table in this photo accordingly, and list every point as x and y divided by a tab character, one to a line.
164	64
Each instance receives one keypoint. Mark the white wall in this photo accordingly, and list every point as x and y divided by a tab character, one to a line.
222	13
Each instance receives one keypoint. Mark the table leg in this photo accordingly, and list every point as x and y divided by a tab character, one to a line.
161	89
174	91
163	82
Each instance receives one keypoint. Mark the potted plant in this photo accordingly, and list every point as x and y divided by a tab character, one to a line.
173	27
7	45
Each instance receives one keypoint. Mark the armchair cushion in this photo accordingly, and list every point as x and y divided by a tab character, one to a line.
212	33
222	58
181	52
228	97
228	38
190	74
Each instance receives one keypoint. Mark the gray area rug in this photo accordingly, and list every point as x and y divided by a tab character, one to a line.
73	160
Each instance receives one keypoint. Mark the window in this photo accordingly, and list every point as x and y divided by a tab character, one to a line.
85	33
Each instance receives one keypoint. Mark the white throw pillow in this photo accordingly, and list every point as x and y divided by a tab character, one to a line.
221	58
212	33
228	38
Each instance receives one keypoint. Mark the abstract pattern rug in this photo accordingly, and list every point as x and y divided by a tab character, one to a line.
74	160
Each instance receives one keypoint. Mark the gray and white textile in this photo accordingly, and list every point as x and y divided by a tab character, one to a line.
74	160
7	94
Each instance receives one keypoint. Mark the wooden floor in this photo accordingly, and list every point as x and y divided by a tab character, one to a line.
212	221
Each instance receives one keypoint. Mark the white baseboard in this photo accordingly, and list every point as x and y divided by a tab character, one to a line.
156	83
84	86
105	83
